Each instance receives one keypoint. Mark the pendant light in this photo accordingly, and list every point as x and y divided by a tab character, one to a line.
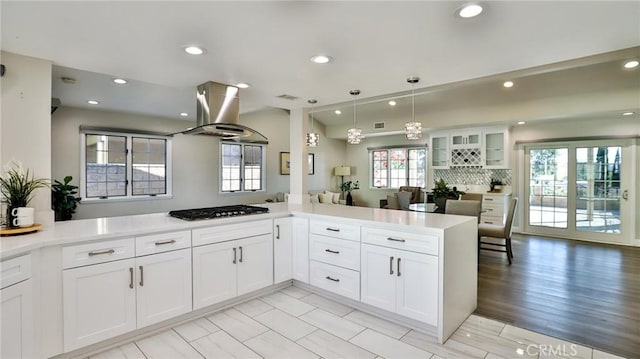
413	129
312	137
354	134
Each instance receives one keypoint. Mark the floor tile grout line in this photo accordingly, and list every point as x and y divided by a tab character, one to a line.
140	349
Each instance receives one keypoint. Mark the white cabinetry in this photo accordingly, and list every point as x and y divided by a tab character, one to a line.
466	148
494	208
17	339
301	249
231	265
111	297
440	150
399	280
282	249
334	257
466	138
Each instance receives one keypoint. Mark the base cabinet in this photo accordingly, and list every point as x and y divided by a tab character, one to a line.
282	249
301	249
17	339
224	270
112	298
400	281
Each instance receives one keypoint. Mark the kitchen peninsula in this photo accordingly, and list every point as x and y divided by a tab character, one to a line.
81	285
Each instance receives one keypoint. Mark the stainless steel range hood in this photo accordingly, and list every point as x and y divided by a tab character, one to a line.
218	114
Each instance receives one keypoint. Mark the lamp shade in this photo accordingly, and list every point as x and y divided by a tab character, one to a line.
342	171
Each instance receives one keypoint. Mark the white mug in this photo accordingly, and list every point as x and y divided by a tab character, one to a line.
23	212
23	221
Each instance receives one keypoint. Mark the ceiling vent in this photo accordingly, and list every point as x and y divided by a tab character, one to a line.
378	125
287	97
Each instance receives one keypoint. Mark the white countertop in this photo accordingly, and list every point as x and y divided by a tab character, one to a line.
86	230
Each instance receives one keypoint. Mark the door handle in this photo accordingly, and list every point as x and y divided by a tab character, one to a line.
108	251
391	265
240	253
170	241
398	267
234	256
131	277
277	231
625	194
141	276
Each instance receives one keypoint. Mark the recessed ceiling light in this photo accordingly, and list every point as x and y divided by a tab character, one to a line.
508	84
93	102
243	85
120	81
321	59
392	103
628	113
631	64
469	10
521	122
338	112
184	114
194	50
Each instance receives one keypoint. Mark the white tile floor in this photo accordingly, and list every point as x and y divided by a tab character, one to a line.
293	323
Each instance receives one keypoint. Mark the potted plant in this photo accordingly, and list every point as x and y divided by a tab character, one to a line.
442	192
17	188
348	187
63	199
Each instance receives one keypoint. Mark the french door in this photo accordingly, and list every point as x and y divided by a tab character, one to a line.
580	190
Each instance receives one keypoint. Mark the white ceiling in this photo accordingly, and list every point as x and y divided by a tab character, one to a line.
375	44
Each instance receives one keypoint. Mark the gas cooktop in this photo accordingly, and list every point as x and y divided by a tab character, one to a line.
217	212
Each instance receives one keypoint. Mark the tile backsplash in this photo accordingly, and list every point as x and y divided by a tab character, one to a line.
472	176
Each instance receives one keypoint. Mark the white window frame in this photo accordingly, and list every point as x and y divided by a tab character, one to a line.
389	149
129	189
263	168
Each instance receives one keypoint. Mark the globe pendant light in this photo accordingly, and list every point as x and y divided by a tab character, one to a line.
354	134
312	137
413	129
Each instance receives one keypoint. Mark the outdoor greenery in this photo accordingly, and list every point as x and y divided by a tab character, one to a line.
17	185
63	199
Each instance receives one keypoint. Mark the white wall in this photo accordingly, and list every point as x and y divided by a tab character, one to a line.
25	122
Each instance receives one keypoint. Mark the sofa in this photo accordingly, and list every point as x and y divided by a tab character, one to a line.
400	200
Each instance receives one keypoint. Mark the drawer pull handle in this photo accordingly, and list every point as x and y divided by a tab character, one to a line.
277	231
488	199
333	229
141	276
131	277
391	265
488	222
240	254
170	241
332	279
234	256
398	267
330	251
395	239
108	251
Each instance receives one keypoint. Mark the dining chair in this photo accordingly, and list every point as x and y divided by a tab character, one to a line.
463	207
499	231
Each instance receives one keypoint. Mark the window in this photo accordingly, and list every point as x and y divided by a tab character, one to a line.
110	170
395	167
242	167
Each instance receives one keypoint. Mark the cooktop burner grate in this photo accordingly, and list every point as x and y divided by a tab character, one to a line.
217	212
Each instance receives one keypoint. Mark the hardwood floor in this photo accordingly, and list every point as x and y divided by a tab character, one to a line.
579	291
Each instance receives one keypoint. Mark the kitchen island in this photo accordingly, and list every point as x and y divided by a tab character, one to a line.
415	268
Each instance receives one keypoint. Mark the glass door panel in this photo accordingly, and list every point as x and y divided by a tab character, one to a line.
598	194
548	187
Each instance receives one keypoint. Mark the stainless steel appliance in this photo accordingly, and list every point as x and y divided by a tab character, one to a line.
217	212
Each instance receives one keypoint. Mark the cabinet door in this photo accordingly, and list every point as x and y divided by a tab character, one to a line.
17	339
495	152
301	249
378	277
214	273
99	302
255	263
164	286
282	249
417	286
440	151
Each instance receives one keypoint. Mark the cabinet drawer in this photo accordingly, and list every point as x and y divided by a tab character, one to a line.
338	280
163	242
335	251
493	210
15	270
98	252
422	243
492	220
230	232
336	230
495	200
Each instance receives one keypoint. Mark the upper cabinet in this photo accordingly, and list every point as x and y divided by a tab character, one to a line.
476	147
